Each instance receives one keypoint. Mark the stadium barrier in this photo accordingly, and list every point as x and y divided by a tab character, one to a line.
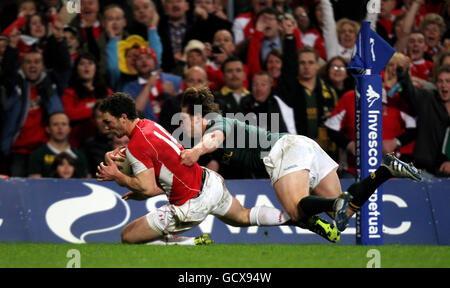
82	211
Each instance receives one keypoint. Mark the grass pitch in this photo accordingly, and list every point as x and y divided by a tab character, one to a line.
14	255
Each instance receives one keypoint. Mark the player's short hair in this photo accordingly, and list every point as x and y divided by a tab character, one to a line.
200	96
119	103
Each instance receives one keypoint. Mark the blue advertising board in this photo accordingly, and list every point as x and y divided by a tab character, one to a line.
84	211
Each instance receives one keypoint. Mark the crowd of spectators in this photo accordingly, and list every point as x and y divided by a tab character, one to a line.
280	58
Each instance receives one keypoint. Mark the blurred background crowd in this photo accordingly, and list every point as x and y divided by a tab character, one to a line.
284	58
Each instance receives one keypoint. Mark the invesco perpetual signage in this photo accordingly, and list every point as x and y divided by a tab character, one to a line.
369	155
370	56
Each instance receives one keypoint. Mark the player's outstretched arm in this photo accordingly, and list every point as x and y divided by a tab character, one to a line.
209	143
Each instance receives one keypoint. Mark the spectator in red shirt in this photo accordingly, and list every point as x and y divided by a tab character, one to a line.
31	96
244	24
310	35
399	129
85	88
88	20
386	17
433	28
415	49
223	41
267	37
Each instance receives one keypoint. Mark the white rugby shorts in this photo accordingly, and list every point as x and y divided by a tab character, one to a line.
214	199
293	153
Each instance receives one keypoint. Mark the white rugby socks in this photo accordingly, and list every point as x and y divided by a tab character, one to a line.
267	216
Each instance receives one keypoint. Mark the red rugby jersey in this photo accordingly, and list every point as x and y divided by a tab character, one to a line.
151	146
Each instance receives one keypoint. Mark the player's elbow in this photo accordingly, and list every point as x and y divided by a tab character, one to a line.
151	191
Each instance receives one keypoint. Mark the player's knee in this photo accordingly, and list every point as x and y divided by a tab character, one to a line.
126	236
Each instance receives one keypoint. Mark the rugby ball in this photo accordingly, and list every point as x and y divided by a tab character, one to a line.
123	164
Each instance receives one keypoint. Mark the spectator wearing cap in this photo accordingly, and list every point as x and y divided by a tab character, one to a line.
152	86
194	54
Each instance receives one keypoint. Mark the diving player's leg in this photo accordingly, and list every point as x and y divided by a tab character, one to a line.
240	216
330	187
230	211
139	231
292	191
362	190
390	167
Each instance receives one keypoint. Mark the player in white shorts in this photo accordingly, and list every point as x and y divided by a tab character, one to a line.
296	164
193	192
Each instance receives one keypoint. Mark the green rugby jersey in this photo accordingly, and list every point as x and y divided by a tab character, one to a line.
244	145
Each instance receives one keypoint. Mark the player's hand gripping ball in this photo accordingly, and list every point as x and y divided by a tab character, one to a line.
121	160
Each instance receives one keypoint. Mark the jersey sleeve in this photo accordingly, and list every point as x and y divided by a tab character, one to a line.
219	123
138	160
